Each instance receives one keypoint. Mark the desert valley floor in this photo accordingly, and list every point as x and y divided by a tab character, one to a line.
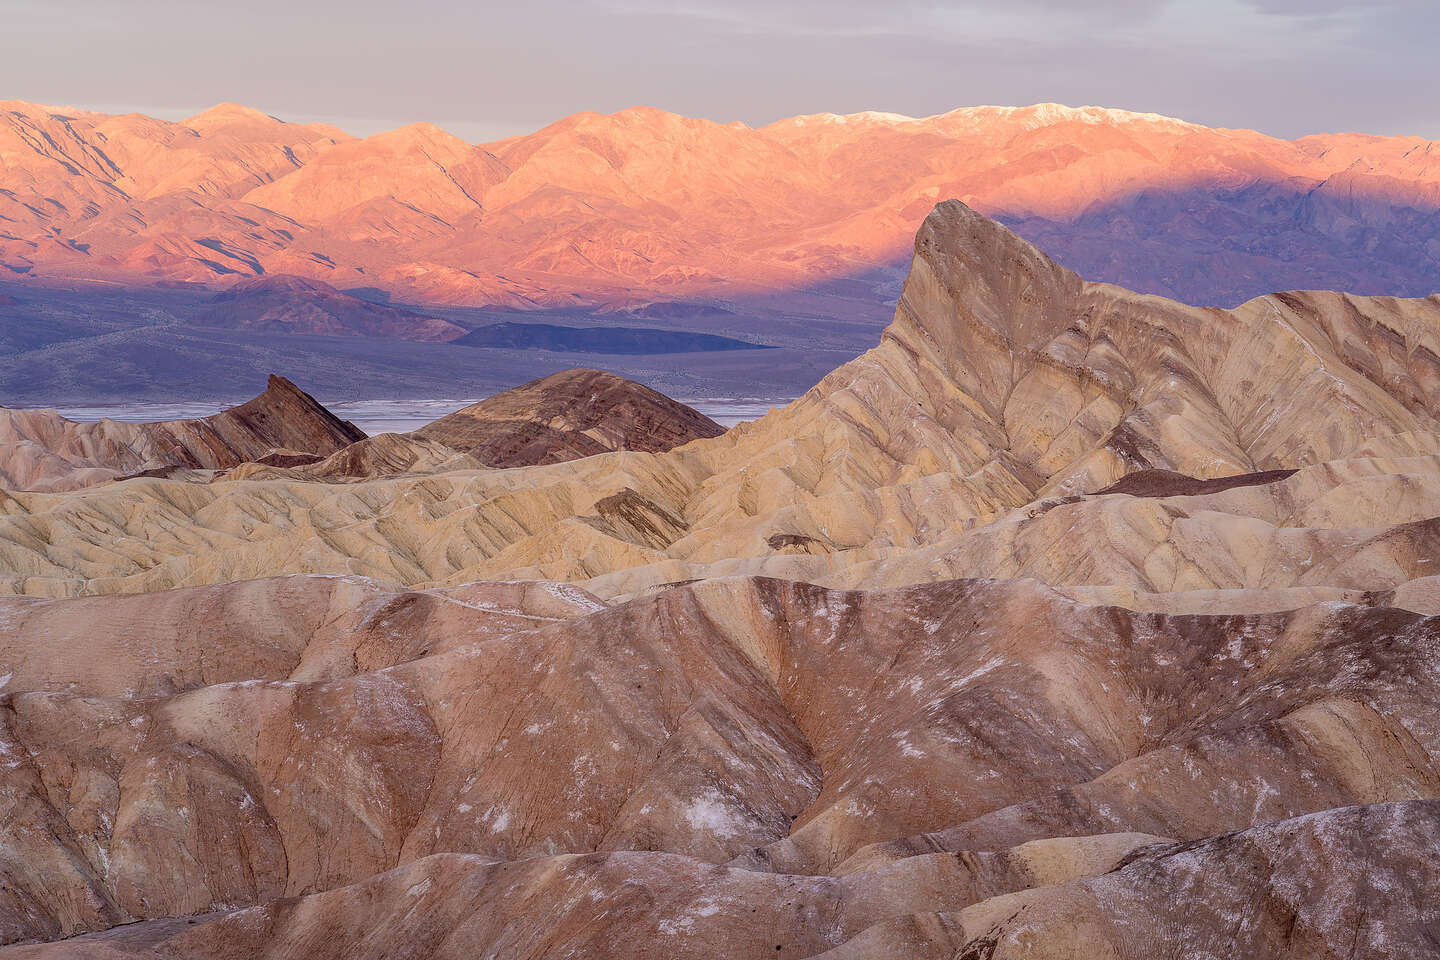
1065	622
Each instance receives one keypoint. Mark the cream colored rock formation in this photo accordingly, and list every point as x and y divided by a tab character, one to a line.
966	444
1120	629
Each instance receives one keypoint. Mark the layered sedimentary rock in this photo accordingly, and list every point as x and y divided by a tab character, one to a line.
387	454
568	415
41	450
1067	622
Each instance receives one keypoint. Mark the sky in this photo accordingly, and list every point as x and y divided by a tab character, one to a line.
488	70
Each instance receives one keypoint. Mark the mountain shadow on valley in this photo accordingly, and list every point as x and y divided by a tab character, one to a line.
613	340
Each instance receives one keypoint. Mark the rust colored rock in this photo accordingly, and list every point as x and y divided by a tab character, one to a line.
1360	877
284	417
717	767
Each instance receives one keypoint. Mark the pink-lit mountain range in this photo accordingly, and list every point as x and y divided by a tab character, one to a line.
642	205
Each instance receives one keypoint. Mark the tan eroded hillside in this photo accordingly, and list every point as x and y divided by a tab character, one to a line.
965	444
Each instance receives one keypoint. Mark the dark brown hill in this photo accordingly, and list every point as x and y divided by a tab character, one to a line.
568	415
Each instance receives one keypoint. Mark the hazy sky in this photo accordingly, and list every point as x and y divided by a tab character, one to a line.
483	71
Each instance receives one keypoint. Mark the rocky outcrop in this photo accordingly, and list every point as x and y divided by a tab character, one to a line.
568	415
384	455
285	434
41	450
1168	483
565	416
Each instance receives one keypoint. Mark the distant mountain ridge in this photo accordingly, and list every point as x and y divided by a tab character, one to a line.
644	205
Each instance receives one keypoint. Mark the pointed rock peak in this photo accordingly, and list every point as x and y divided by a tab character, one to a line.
280	384
278	388
973	286
286	416
973	254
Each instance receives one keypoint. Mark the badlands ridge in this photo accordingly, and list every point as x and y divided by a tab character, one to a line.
967	444
1066	622
286	432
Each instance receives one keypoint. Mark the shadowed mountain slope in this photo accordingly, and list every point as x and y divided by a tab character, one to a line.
295	305
607	339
